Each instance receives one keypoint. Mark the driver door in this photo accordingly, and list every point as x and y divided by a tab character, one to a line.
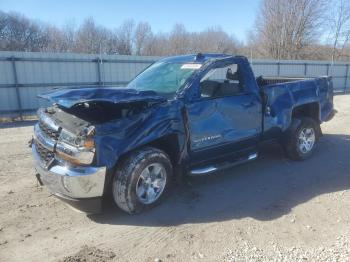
225	123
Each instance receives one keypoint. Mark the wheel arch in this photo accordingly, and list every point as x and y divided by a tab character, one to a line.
311	110
169	144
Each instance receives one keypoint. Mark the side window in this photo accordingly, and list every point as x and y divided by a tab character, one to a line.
222	81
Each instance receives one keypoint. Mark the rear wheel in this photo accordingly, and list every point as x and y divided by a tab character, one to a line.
301	138
141	179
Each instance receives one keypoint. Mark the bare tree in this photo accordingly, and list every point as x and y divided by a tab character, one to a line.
179	42
124	35
56	41
60	40
286	27
20	34
3	22
158	46
142	38
214	40
339	22
91	38
69	36
3	36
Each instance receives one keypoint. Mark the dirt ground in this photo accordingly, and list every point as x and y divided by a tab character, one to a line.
272	209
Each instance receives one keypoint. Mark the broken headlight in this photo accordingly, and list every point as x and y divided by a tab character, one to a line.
77	149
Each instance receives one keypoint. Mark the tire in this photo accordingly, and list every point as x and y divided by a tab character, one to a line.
301	139
138	181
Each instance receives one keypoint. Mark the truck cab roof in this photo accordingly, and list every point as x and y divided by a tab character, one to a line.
197	58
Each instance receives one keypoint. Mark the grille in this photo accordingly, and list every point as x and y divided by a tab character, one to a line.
45	154
49	132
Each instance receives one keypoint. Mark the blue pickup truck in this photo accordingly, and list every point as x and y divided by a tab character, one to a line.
184	115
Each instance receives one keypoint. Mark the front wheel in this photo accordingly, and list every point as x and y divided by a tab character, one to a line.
301	138
141	179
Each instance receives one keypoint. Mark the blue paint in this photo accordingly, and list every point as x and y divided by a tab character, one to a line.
203	129
70	97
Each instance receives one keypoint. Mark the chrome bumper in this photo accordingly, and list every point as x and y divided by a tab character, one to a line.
72	182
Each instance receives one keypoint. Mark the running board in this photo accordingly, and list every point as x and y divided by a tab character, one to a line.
210	169
203	170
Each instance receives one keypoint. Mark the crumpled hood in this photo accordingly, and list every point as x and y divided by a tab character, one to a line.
68	97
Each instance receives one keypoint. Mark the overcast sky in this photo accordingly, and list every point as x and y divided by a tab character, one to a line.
236	17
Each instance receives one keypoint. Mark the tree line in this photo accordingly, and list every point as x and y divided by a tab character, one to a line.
284	29
18	33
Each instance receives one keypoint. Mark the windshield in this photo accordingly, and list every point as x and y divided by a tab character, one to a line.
164	77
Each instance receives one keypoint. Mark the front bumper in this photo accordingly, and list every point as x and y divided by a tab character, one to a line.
81	187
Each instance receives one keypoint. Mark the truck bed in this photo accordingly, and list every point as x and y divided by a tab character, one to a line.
265	81
286	94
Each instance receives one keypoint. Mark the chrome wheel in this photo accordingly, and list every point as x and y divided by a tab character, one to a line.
151	183
306	140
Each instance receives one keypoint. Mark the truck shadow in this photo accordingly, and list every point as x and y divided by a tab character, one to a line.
264	189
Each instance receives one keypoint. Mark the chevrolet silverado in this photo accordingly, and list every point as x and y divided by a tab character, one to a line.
185	115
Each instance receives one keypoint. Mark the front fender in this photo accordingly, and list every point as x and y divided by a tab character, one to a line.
116	138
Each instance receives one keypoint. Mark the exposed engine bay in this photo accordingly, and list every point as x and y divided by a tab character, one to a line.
85	114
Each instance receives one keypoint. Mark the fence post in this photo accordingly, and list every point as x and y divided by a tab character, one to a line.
278	68
15	78
305	69
99	61
346	77
327	69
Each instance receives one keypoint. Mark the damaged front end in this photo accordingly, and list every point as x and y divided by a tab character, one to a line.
64	163
79	138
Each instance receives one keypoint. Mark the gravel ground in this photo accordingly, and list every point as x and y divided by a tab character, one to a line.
272	209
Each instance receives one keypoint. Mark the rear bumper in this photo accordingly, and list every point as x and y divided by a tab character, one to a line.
81	187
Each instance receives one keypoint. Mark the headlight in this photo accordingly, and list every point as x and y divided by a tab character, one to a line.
67	137
77	149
